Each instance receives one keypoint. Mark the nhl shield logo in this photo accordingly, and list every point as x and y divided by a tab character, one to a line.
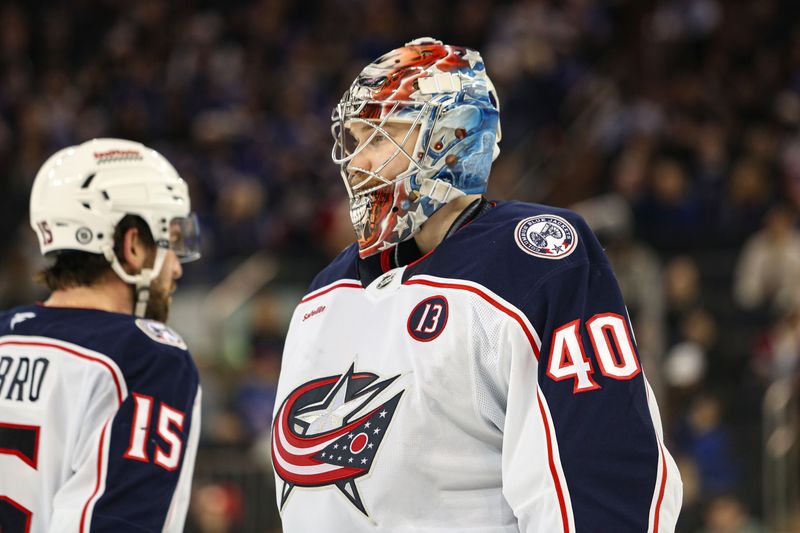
328	431
547	236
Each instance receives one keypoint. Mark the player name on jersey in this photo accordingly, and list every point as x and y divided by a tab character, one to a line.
21	377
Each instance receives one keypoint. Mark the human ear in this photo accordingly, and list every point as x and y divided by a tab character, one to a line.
134	251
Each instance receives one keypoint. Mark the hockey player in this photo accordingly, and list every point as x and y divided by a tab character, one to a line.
466	365
99	400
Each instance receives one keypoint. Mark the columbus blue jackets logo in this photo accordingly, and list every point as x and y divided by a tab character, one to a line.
547	236
160	332
328	431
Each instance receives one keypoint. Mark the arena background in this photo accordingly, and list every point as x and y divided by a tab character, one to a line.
672	126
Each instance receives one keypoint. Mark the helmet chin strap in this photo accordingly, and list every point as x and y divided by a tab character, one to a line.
141	281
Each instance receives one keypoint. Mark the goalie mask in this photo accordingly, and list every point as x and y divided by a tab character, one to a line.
443	95
82	192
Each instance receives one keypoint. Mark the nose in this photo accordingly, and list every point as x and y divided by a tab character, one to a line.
177	269
361	160
356	167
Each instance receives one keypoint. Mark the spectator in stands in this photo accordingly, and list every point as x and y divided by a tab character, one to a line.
768	270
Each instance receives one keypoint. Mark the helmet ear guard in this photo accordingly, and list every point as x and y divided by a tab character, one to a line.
445	92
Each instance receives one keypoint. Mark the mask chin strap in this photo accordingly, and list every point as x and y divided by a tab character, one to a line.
141	281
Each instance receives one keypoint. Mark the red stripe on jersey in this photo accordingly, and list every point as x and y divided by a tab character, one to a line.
661	490
411	264
385	260
99	475
486	297
329	289
77	354
553	471
559	492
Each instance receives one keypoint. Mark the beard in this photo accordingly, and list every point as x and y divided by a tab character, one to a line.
158	304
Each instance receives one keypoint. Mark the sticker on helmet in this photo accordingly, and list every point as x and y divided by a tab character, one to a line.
117	156
547	236
160	332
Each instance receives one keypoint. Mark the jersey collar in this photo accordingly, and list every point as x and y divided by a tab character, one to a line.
407	252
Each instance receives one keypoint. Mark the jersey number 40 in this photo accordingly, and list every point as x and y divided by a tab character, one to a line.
613	349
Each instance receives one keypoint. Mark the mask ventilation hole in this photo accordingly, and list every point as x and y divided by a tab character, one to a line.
88	180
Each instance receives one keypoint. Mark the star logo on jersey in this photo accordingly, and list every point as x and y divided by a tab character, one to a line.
328	431
547	236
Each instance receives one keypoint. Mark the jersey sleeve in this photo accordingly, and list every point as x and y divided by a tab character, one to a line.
583	447
133	464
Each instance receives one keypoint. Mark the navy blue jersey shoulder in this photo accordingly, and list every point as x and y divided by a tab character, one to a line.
510	249
345	266
155	365
125	339
514	248
547	263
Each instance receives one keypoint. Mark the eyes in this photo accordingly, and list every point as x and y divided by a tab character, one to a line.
376	140
362	137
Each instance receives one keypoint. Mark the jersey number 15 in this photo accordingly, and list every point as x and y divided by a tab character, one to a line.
167	418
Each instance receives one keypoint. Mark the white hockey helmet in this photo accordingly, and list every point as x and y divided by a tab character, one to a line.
82	192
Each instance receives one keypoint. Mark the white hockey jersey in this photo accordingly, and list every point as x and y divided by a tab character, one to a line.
99	422
491	386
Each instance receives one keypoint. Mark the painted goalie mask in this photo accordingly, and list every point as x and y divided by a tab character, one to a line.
443	93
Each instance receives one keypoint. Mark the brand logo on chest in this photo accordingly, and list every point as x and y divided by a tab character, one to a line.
428	319
385	281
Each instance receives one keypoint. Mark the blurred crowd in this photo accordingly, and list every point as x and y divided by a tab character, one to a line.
671	126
